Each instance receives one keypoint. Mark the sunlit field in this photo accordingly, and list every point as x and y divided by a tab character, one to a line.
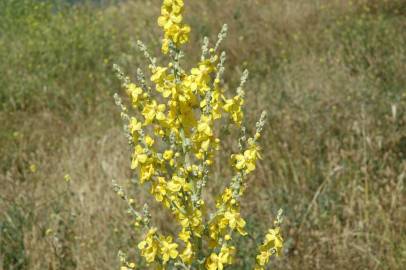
330	74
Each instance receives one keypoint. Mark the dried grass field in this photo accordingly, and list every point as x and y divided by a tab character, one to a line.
331	74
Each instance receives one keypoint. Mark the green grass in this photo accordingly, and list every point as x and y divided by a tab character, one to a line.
330	74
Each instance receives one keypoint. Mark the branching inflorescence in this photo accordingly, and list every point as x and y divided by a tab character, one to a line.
174	140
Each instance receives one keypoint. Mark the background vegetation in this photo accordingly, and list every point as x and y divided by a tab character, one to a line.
332	75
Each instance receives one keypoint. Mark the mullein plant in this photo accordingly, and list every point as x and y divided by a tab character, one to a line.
172	130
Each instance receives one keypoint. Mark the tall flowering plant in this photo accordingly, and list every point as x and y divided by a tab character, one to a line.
173	133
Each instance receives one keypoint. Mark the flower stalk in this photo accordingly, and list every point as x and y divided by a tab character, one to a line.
174	139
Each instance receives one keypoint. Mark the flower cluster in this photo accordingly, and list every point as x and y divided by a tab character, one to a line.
171	21
174	137
272	245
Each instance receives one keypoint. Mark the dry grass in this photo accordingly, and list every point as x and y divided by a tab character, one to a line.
331	75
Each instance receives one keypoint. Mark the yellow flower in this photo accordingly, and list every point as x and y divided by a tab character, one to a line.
273	244
184	235
235	221
233	107
274	238
204	126
67	178
247	160
135	128
177	183
227	195
196	223
179	130
187	254
168	249
165	45
153	111
149	141
216	262
192	222
183	35
263	257
33	168
149	246
201	77
171	21
158	189
146	172
134	92
168	154
216	104
158	75
241	162
139	157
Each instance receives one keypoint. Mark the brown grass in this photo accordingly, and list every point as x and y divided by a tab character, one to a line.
331	75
